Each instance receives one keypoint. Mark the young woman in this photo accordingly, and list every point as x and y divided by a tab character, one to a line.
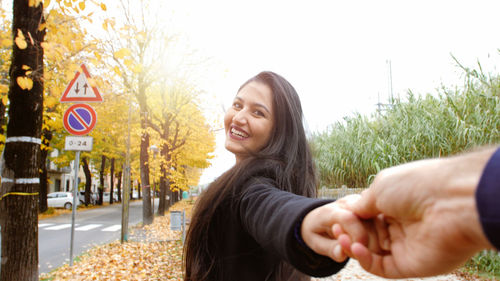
247	225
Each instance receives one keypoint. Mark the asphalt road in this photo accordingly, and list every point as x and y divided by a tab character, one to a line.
92	227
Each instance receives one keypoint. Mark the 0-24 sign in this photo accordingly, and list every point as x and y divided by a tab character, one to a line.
78	143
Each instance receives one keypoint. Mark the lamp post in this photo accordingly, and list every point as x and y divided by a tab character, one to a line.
154	149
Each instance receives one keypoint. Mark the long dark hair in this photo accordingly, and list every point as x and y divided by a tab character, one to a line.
286	159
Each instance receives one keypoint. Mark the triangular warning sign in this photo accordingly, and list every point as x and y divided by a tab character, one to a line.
79	89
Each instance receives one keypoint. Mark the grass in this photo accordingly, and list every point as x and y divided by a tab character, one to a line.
485	265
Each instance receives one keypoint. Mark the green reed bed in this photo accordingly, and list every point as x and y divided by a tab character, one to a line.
352	151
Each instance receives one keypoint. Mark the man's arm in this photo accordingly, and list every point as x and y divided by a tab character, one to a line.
432	218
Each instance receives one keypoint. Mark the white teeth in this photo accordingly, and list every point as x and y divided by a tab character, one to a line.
238	133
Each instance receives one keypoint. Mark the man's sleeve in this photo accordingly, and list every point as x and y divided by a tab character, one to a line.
488	199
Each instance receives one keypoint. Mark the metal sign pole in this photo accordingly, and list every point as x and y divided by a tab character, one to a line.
125	205
73	213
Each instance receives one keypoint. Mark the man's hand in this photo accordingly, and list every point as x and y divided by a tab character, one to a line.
430	216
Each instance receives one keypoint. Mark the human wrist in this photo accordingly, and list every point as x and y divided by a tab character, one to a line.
458	193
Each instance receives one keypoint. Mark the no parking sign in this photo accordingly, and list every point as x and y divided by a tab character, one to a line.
79	119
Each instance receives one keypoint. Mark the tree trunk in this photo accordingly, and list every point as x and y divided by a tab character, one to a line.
101	179
139	191
161	204
111	173
131	189
20	174
88	180
119	186
147	212
42	197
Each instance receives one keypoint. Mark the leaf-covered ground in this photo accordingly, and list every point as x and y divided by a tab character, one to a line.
153	252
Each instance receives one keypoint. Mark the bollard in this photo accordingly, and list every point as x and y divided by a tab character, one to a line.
175	220
178	222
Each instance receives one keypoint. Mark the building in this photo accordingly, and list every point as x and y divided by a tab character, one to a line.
62	179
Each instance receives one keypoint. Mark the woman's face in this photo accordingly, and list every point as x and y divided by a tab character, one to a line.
249	121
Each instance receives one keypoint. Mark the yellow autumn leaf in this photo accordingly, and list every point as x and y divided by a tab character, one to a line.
91	81
34	3
117	70
25	67
81	5
46	3
105	25
5	43
50	101
20	40
69	76
47	75
128	63
4	89
103	7
42	26
5	99
123	52
24	82
67	4
137	68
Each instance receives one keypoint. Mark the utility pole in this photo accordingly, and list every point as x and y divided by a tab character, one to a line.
391	95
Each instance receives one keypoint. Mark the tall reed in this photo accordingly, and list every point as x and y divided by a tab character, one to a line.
350	152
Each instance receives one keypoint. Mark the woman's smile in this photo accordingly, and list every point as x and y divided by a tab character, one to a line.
238	133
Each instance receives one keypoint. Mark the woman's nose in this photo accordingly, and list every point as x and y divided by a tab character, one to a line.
240	117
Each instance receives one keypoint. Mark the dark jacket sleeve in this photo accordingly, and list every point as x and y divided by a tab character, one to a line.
270	216
488	199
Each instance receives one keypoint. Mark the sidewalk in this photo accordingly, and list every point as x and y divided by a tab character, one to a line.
353	271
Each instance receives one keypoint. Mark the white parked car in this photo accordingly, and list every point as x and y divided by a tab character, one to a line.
105	197
61	200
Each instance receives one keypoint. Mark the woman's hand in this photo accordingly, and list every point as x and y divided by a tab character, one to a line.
322	227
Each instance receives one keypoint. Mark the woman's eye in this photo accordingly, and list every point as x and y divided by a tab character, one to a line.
236	105
259	113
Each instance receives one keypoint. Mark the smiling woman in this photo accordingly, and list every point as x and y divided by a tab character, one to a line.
250	223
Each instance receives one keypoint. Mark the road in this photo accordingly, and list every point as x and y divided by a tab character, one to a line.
92	227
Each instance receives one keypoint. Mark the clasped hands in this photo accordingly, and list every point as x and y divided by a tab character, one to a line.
411	222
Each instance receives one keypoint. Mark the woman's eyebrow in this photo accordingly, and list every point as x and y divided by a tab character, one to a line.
263	106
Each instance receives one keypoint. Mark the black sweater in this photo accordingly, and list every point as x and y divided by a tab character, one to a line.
259	229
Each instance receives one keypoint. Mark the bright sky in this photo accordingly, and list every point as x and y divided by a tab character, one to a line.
336	53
